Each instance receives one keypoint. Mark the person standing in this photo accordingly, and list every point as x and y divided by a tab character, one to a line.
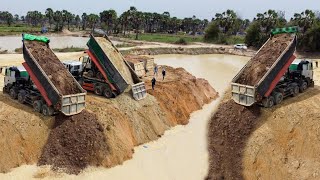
153	81
163	73
155	71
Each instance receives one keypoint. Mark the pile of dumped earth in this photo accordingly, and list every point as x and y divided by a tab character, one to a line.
120	125
74	143
229	129
265	58
177	92
55	70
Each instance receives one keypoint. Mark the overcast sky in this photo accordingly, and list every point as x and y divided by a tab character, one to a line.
179	8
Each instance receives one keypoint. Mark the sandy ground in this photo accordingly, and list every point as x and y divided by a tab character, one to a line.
152	160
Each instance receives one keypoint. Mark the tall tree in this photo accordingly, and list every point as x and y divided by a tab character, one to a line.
58	19
49	14
109	17
93	19
84	19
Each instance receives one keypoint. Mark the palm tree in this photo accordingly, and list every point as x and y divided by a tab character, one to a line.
49	15
77	21
93	19
109	17
84	18
58	18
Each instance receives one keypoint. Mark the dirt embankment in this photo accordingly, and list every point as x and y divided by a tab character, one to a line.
176	93
266	143
53	67
125	122
186	50
261	63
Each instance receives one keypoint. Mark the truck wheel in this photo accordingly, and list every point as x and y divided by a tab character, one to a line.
268	102
278	98
98	90
21	96
90	73
47	111
295	91
37	106
4	90
108	92
303	86
99	75
13	93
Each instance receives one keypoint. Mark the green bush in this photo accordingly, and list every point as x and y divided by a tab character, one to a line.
212	33
181	41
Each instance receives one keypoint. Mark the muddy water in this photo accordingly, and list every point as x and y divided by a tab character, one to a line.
10	43
181	153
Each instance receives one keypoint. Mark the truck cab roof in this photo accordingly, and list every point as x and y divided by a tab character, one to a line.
298	61
72	62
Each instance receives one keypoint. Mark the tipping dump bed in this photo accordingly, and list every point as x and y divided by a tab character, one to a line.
59	85
258	75
111	62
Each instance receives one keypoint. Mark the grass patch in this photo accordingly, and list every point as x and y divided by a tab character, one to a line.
167	38
17	29
69	49
124	45
18	50
181	41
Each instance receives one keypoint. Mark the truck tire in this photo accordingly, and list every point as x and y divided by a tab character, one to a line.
278	97
107	92
98	90
303	86
13	93
99	75
4	90
37	106
47	111
295	91
90	73
268	102
22	97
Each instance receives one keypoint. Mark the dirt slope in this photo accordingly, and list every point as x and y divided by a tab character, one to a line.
126	123
280	143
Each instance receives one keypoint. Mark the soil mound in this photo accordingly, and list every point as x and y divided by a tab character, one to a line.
228	132
260	63
74	143
180	93
53	67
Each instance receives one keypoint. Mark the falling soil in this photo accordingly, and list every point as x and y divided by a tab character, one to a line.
259	65
53	67
228	132
74	143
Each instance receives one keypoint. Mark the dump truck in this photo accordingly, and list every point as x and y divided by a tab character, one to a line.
43	81
106	73
269	76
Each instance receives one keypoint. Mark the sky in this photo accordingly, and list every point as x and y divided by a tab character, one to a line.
203	9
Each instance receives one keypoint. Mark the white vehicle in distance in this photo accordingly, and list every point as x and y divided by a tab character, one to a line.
240	46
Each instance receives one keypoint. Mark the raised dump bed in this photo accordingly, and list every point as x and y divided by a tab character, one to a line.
260	75
148	62
55	83
116	69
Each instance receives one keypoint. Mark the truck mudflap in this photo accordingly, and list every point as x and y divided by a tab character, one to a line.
242	94
73	104
139	91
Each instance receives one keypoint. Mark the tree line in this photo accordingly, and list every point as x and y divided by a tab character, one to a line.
218	29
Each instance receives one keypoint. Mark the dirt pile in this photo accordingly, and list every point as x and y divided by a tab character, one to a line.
180	93
74	143
261	62
126	123
53	67
229	129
